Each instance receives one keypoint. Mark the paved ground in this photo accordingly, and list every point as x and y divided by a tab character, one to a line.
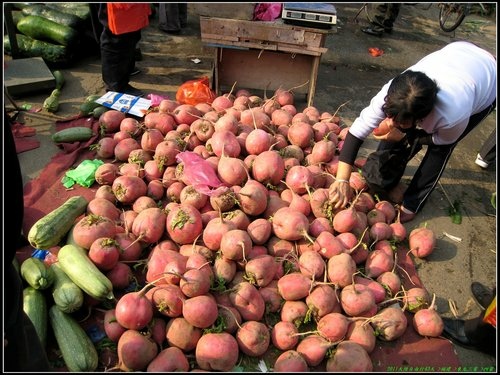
347	74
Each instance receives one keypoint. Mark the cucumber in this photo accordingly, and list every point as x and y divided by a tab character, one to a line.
88	106
37	274
77	349
75	262
81	10
35	306
29	47
41	28
51	104
60	81
98	111
78	133
53	227
67	295
54	15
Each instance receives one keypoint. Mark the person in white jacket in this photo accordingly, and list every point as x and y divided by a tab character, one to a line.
434	103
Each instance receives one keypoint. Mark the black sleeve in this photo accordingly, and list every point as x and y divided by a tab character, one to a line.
350	149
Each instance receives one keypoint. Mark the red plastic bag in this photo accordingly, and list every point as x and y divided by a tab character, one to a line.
195	91
199	173
267	11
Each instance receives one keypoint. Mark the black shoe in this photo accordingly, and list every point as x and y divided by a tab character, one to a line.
135	71
454	329
171	32
372	31
482	294
138	54
132	91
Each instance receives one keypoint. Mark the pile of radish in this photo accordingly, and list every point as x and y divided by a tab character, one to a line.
227	206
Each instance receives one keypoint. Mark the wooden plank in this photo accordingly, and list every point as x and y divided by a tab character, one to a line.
271	32
254	69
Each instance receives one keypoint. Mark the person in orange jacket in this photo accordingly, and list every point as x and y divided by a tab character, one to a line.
122	24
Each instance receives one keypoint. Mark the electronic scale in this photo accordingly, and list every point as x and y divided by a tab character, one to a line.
319	15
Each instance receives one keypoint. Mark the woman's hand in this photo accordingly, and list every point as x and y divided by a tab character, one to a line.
340	193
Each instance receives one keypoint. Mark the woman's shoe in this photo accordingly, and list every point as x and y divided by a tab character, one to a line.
482	294
372	31
406	215
454	329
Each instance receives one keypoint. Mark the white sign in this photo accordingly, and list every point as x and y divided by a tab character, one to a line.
125	103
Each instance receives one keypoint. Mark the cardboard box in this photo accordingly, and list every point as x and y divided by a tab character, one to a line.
237	11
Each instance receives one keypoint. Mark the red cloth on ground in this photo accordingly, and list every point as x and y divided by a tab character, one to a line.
409	353
22	137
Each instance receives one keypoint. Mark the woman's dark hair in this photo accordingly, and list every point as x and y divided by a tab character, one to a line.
410	97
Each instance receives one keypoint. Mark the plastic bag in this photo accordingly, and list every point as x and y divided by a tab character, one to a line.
199	173
83	175
267	11
195	91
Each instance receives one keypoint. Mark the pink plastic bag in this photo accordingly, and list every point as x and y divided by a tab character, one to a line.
267	11
200	174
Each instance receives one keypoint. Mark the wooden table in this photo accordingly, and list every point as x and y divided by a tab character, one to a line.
264	55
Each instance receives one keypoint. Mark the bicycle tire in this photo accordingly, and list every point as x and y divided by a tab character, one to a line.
451	15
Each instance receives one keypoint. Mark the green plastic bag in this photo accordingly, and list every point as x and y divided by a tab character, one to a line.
83	175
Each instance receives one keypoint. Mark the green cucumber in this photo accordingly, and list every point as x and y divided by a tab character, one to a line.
67	295
75	134
37	274
35	306
29	47
54	15
60	81
41	28
98	111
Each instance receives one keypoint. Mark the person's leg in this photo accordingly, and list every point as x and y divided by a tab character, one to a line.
183	14
432	166
390	16
380	15
488	151
117	58
171	22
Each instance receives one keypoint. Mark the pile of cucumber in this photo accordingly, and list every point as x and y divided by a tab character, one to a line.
49	30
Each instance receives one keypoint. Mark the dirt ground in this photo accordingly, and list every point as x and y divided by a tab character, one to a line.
348	77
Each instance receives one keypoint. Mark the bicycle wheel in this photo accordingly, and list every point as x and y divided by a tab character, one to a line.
451	15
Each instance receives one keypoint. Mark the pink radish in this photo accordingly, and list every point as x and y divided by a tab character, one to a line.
428	322
422	242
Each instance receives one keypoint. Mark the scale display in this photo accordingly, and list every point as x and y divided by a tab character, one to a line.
310	14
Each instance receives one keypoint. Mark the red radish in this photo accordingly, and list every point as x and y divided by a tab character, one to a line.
149	225
362	334
300	134
345	220
284	335
168	105
224	142
340	269
135	351
388	209
365	201
259	230
221	103
399	232
105	192
143	202
322	300
349	356
299	178
189	195
422	242
170	359
111	327
227	122
91	227
155	189
109	121
217	352
290	225
103	207
390	323
184	223
134	310
200	311
319	225
380	231
194	282
252	198
203	128
235	243
167	299
248	301
333	326
224	269
290	361
313	348
131	169
312	264
255	117
268	167
128	188
120	275
281	117
382	129
377	263
377	289
121	135
232	171
271	297
261	269
165	153
428	322
124	147
416	298
182	334
106	173
253	338
231	318
391	282
150	139
186	114
131	126
375	215
214	230
104	253
357	300
105	148
257	141
294	286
